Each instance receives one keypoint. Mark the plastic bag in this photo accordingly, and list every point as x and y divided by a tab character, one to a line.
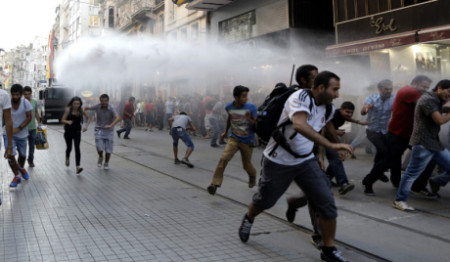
41	138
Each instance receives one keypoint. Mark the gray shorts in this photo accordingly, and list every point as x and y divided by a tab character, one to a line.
276	178
104	144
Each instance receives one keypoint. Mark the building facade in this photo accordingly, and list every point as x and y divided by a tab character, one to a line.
395	38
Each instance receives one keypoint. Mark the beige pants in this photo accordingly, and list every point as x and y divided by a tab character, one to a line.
231	148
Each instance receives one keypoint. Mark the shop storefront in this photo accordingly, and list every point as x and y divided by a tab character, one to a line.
403	42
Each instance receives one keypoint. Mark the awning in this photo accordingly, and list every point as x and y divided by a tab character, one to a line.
407	38
434	34
372	44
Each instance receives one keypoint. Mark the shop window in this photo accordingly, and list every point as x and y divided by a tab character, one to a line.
340	15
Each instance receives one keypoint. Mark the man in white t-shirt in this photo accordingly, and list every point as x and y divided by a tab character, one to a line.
21	116
281	167
5	111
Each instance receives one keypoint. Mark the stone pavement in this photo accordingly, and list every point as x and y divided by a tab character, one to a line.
140	210
368	223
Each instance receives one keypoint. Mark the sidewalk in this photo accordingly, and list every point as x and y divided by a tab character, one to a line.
136	211
369	223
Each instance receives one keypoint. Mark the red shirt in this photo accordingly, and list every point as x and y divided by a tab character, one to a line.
402	120
129	108
149	108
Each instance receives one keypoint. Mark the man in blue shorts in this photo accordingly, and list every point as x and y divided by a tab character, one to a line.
178	125
107	118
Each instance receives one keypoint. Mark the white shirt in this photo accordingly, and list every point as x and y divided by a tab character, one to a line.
298	102
5	103
19	115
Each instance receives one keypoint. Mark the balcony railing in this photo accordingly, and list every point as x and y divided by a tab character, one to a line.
133	10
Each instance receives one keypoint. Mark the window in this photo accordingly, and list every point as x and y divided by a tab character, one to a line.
239	27
183	34
111	17
194	31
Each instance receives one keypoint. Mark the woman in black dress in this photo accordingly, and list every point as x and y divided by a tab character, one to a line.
73	120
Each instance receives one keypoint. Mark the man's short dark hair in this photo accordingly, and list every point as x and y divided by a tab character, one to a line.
17	88
444	84
183	113
421	78
324	77
27	89
238	90
104	96
348	105
132	98
304	71
385	82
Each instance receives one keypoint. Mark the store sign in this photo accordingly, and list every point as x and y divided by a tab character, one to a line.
402	20
381	26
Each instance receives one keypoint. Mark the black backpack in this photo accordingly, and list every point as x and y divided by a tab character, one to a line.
269	114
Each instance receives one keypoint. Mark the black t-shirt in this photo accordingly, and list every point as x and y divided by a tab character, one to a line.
338	120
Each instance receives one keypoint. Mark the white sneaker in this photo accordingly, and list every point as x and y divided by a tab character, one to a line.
105	166
100	161
402	205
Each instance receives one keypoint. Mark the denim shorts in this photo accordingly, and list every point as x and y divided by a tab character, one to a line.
180	133
19	143
104	144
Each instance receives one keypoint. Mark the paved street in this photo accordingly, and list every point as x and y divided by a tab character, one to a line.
148	209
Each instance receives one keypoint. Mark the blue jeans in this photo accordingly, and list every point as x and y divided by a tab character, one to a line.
31	144
126	128
218	129
420	158
18	143
335	167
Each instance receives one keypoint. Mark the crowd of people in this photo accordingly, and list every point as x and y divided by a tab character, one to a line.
307	131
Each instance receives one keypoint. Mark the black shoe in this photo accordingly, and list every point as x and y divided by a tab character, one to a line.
244	229
346	188
118	133
368	190
434	187
425	193
384	178
215	145
177	161
222	143
212	189
316	240
186	162
126	137
334	256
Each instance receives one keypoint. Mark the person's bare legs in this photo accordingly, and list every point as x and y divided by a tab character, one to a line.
328	230
175	152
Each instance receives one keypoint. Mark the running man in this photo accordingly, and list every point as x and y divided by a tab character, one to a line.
241	119
280	167
107	118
